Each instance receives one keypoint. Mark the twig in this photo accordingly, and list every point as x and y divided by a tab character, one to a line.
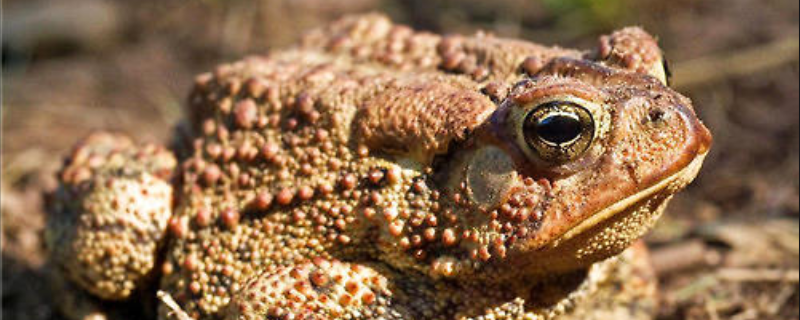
774	305
701	285
746	315
711	309
173	306
745	62
682	256
759	275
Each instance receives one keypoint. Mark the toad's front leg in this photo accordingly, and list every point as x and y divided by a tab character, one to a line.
107	219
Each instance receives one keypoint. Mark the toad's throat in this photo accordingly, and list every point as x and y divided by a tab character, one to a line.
673	183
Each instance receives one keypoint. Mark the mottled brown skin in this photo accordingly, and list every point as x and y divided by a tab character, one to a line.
375	172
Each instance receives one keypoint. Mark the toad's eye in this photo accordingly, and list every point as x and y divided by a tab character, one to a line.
559	131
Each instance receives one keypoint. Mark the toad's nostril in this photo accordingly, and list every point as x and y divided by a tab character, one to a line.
656	115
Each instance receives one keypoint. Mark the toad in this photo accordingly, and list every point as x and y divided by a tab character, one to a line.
376	172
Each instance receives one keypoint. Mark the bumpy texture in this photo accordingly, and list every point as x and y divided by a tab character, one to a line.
326	289
110	213
375	172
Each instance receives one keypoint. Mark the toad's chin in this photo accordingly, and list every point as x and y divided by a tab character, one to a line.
632	206
609	231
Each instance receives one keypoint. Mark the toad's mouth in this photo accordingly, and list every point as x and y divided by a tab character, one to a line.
671	184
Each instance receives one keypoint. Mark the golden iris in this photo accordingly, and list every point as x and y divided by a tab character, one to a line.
559	131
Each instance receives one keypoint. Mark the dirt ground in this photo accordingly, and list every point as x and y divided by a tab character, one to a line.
727	249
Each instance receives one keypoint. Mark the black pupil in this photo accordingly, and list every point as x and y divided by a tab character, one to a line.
559	128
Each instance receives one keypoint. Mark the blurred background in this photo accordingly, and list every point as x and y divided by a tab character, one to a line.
728	248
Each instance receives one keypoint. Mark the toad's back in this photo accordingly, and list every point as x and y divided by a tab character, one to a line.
289	151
